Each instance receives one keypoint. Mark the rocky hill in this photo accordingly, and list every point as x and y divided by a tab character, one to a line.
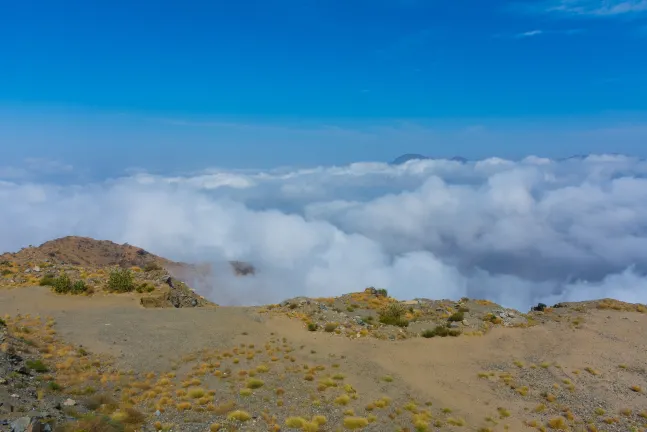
78	354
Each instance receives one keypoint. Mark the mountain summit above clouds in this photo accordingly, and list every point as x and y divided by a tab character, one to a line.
414	156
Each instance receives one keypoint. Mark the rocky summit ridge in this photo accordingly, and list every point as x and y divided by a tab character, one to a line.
101	337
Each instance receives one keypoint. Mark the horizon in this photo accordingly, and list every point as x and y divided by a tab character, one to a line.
264	131
244	85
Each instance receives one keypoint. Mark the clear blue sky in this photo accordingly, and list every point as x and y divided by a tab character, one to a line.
213	81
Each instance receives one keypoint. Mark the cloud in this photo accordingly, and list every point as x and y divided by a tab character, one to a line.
513	232
590	8
533	33
529	34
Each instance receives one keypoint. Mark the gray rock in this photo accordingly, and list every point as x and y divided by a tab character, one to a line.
69	402
36	426
21	424
36	269
454	325
465	322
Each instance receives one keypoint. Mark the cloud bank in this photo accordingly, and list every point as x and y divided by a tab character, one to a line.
515	232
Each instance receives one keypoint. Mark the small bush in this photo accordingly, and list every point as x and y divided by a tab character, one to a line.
355	422
152	266
442	331
6	272
145	287
37	366
79	287
238	415
101	401
456	316
121	280
94	423
312	327
254	383
382	292
330	327
393	314
62	284
54	386
47	280
3	323
295	422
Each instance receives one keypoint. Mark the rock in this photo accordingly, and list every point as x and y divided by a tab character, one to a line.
36	426
21	424
28	271
194	302
512	314
371	291
158	413
454	325
69	402
36	269
465	322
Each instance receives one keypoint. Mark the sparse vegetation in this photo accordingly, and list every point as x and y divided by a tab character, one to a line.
456	317
63	284
37	366
393	314
121	280
441	331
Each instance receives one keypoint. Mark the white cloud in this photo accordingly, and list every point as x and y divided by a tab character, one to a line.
594	8
533	33
530	33
514	232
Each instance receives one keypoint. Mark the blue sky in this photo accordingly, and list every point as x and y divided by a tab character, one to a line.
292	82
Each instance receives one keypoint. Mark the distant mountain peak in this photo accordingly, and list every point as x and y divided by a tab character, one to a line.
414	156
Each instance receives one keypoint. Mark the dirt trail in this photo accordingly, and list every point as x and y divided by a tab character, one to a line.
442	371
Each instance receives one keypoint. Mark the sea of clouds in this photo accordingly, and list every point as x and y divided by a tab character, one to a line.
515	232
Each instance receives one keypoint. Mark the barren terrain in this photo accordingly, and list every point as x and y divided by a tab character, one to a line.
99	360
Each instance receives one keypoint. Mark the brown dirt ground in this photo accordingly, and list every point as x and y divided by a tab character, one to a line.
443	371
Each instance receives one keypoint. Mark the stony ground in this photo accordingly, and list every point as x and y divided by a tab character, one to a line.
102	361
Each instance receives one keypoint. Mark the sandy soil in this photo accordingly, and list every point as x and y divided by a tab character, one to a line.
443	371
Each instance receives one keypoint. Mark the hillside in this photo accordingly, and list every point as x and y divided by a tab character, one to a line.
102	361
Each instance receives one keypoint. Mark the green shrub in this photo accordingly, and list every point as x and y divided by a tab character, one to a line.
442	331
47	280
36	365
152	266
393	314
382	292
121	280
330	327
456	316
6	272
144	287
54	386
79	287
3	323
62	284
312	326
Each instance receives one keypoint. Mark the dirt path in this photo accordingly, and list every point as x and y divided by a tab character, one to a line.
442	371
